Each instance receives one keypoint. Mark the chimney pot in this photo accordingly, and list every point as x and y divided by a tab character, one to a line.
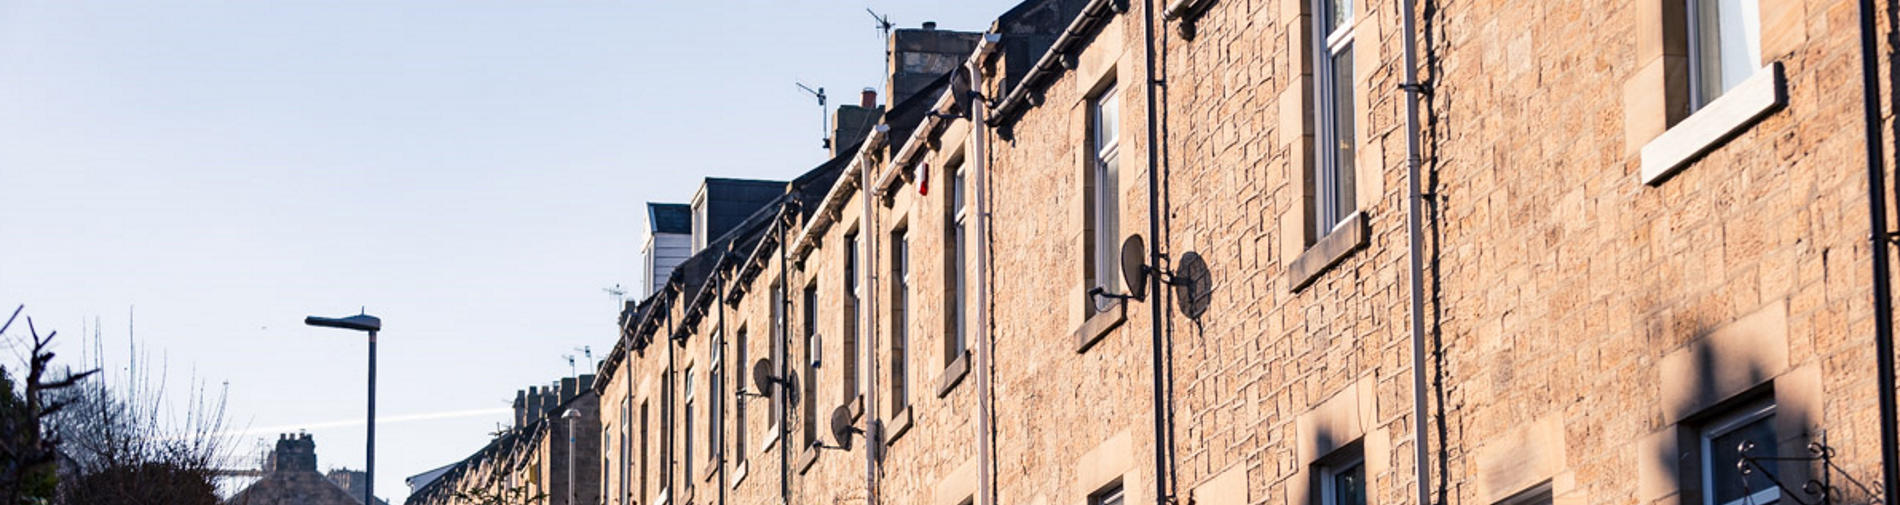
868	99
930	25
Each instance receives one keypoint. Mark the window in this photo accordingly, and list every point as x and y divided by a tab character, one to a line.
956	340
686	430
778	358
715	430
1540	494
1333	181
1344	482
1722	440
626	449
1105	211
851	316
1110	496
1724	46
900	304
809	413
738	406
645	448
606	462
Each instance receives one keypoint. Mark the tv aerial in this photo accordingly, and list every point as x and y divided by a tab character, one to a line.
824	116
884	24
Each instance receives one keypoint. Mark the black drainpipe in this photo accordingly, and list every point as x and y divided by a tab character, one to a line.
784	343
1877	214
1164	495
1415	224
719	286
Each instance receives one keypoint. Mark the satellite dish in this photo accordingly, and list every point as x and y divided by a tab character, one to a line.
841	428
1193	285
762	376
1135	265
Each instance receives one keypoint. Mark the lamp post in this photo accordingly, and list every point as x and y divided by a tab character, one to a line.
571	416
371	324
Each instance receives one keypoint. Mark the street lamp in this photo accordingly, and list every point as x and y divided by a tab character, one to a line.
571	416
371	324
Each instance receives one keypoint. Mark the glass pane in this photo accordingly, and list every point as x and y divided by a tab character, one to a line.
1338	13
956	188
1349	486
1725	453
958	271
1108	226
1729	34
1108	119
1344	136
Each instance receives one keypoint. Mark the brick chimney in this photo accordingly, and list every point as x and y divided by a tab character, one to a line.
852	122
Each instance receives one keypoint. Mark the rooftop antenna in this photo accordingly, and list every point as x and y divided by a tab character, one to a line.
824	118
619	294
883	23
586	351
570	365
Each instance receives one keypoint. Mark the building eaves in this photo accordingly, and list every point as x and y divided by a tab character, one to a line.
1080	31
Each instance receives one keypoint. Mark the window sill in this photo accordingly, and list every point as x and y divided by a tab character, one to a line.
806	458
857	407
1321	256
1714	124
900	424
738	474
953	374
1098	325
665	494
771	440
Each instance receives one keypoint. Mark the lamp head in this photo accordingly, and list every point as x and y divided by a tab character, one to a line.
571	414
360	322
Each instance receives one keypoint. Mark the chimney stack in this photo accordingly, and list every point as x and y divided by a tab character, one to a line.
868	98
918	56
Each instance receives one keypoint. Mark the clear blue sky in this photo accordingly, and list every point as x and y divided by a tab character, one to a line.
472	171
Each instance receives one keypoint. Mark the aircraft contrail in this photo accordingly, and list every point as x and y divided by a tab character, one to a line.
453	414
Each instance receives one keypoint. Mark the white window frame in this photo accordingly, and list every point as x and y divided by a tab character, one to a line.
1329	212
781	328
1115	494
686	428
813	360
716	412
1724	425
1330	471
900	319
1105	172
959	264
853	334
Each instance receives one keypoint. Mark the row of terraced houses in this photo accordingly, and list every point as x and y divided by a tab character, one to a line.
1300	252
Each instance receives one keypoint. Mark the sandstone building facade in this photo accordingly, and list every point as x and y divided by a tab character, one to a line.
1460	252
531	461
